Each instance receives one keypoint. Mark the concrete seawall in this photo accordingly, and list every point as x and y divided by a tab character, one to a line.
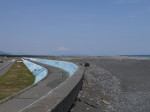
62	97
69	67
69	93
38	71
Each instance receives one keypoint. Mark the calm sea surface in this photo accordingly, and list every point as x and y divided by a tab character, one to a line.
144	56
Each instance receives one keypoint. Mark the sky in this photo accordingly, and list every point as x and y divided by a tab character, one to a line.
79	27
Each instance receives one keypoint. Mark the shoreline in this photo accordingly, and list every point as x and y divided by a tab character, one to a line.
117	84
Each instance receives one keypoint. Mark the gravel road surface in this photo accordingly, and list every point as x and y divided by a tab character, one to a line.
115	85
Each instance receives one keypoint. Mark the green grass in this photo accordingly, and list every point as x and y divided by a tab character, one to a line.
16	79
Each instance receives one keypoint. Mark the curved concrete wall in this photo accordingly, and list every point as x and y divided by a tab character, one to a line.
69	67
37	70
61	98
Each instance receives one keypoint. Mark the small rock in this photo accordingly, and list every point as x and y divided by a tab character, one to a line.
91	99
72	110
106	102
87	109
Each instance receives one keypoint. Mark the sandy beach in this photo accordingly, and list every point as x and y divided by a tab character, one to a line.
114	84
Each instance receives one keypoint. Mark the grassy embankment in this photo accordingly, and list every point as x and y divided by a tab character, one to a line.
16	79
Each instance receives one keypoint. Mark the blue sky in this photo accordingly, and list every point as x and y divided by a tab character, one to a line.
92	27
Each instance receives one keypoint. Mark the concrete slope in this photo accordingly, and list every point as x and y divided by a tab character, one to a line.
62	97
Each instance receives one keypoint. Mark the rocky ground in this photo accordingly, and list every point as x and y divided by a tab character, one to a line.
115	85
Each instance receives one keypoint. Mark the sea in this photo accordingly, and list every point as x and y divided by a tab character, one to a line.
144	56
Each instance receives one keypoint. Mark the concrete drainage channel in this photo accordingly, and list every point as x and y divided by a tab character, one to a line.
59	99
38	71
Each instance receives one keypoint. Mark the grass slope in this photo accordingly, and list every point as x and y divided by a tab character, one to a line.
16	79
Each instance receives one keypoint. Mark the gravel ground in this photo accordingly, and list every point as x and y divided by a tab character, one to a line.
115	85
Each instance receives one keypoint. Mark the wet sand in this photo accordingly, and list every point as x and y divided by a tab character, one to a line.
115	85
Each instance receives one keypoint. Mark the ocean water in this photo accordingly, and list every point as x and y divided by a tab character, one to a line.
144	56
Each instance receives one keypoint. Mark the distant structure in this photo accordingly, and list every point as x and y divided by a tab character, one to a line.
85	64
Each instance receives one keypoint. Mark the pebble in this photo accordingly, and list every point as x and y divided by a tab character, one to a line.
91	99
72	110
87	109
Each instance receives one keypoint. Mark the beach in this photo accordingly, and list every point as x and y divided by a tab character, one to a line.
114	84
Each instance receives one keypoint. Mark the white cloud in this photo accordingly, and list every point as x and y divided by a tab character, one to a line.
62	49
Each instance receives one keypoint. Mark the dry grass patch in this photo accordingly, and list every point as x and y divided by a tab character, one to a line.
16	79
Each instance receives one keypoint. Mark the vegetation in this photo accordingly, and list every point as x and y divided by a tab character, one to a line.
16	79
